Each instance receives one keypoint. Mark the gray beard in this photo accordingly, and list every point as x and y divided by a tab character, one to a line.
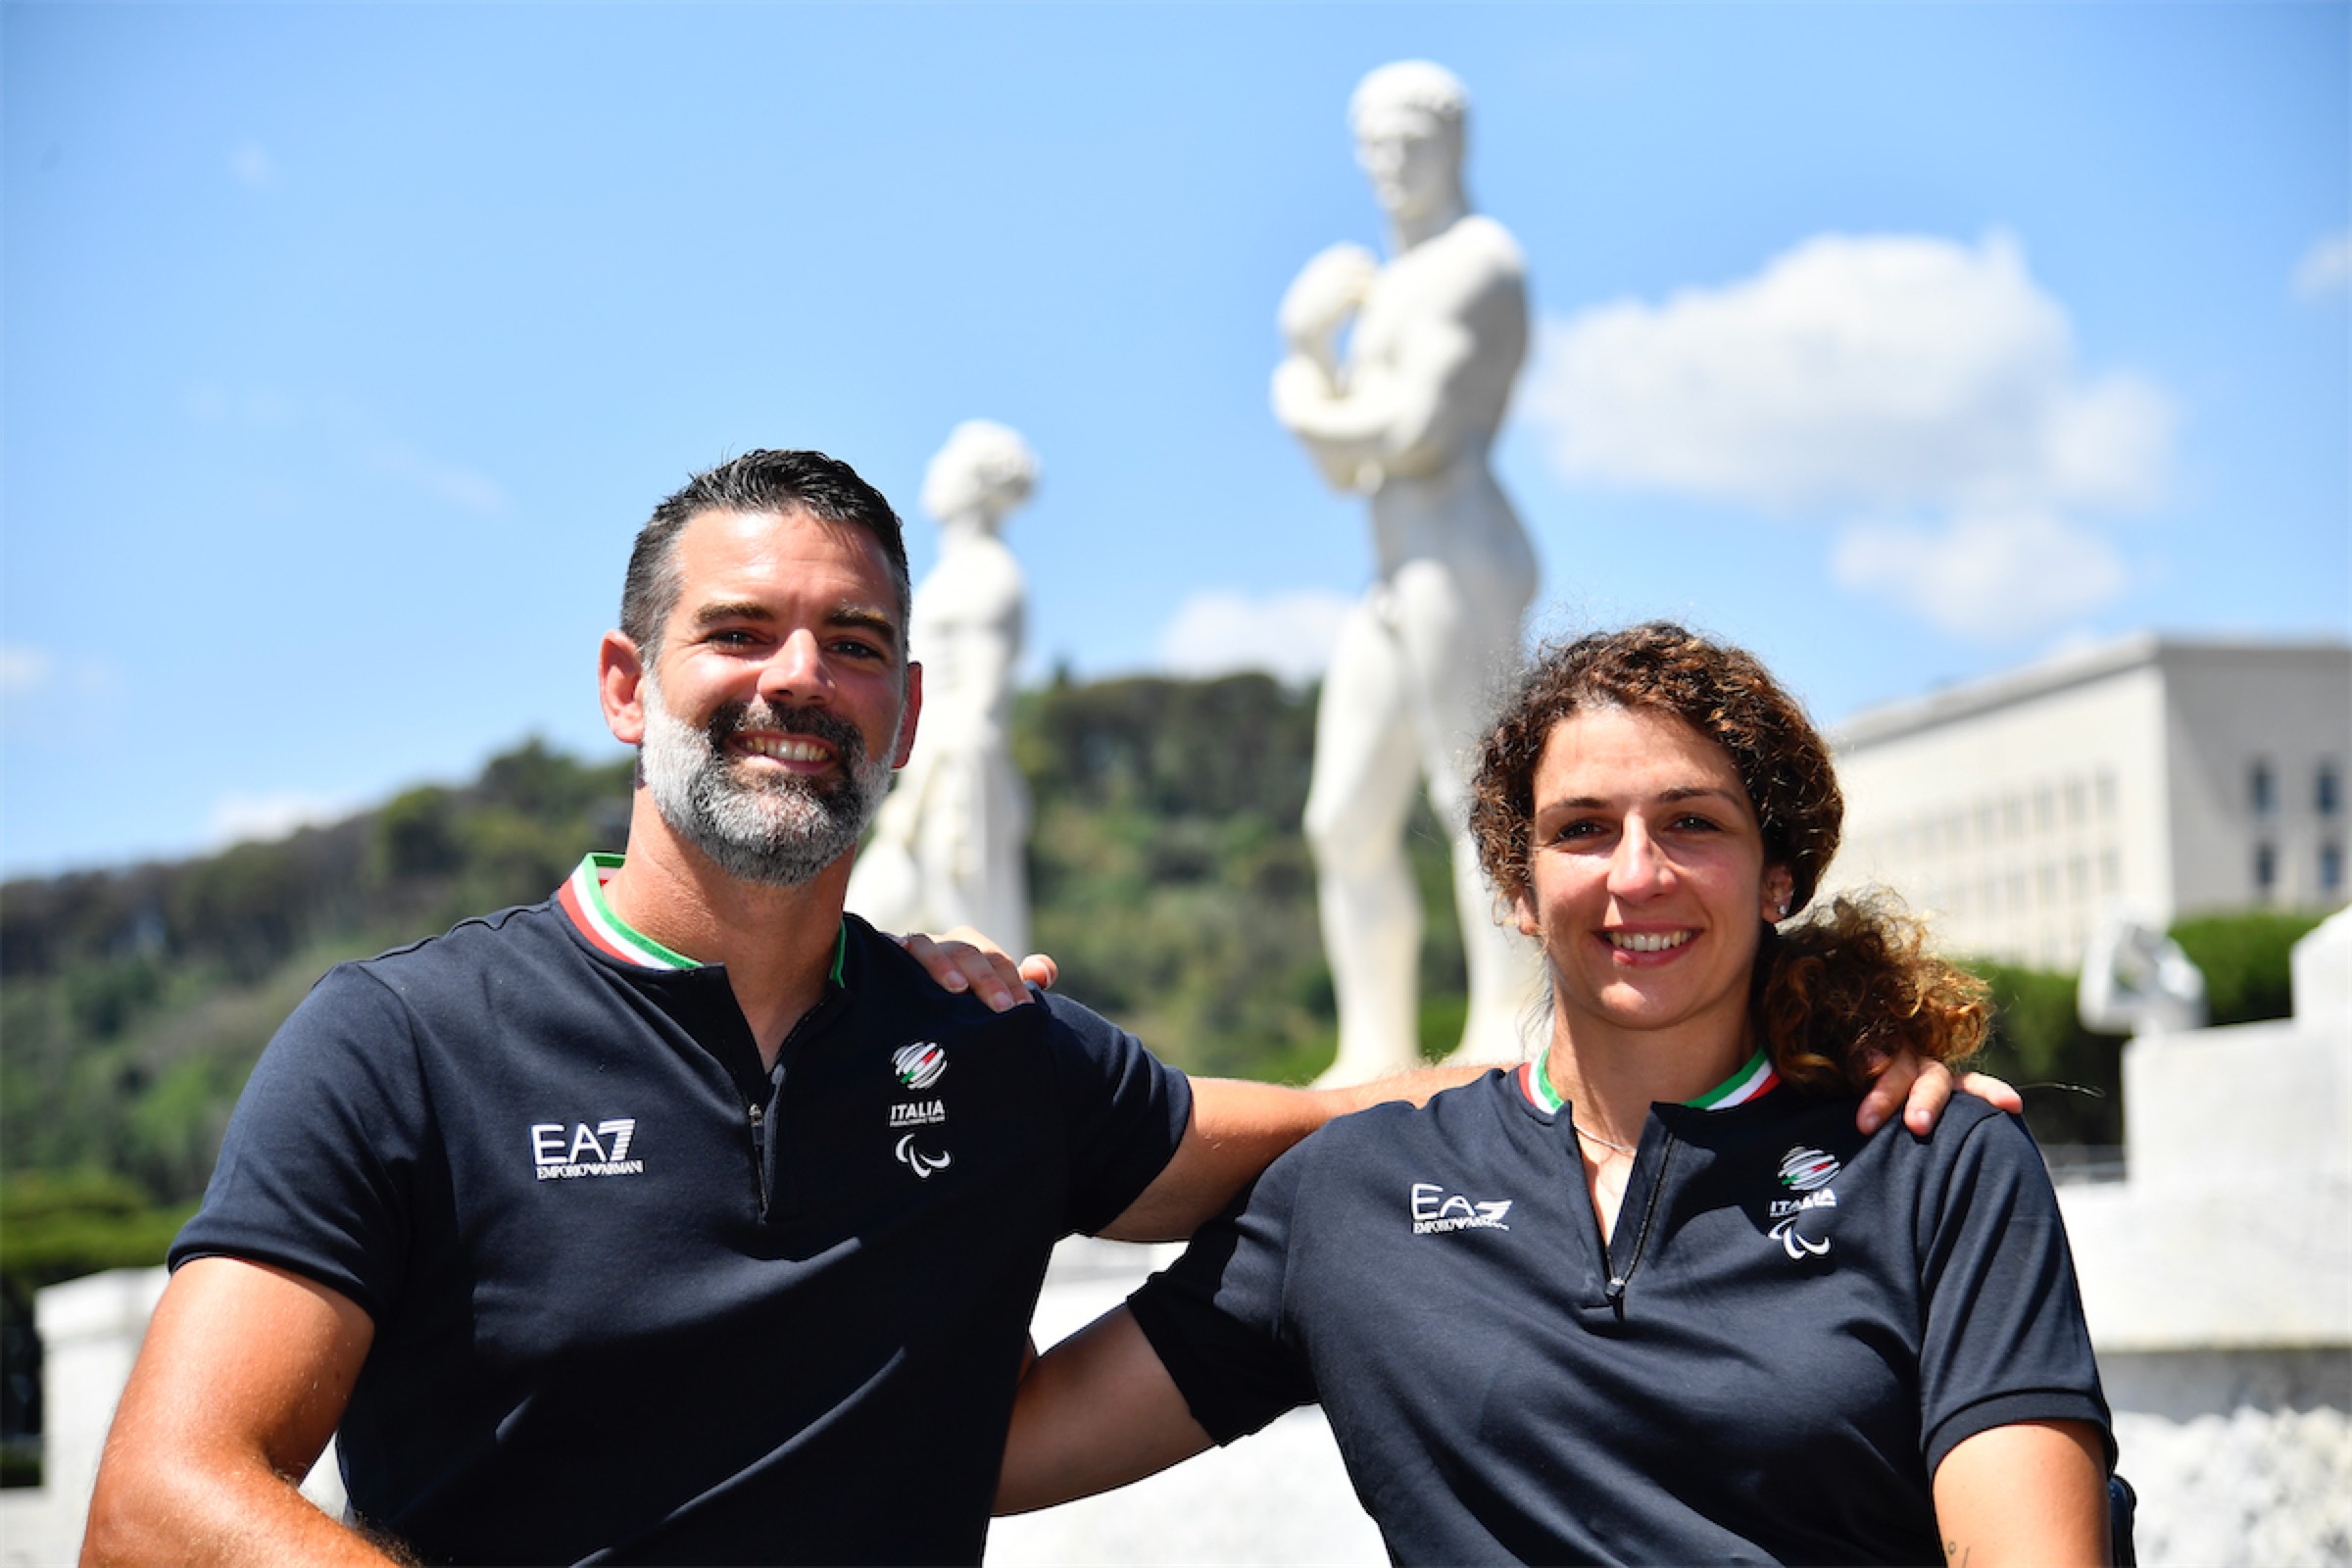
779	829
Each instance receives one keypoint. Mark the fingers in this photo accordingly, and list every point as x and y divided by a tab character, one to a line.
1922	1089
1994	1091
1041	971
1929	1095
965	961
1905	1082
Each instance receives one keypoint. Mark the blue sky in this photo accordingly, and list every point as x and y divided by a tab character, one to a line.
346	346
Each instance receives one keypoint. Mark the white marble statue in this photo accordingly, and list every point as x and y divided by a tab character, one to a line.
1405	416
2137	981
947	845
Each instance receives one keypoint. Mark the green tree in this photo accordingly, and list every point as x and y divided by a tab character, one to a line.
2244	956
2072	1078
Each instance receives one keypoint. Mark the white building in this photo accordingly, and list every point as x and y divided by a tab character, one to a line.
2156	777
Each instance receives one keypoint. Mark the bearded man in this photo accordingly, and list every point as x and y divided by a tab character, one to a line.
677	1217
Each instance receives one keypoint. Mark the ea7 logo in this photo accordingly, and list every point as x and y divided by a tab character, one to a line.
599	1151
1436	1211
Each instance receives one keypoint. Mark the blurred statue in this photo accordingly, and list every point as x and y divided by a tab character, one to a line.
947	845
1405	416
2137	981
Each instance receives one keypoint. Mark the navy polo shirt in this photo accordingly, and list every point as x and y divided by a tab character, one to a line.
1789	1328
636	1298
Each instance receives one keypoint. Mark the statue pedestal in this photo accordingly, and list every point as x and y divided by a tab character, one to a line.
2217	1279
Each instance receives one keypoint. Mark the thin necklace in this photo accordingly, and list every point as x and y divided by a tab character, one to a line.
1605	1143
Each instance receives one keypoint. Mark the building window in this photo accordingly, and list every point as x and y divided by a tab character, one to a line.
2265	870
2331	871
2262	789
2075	797
2328	791
2104	784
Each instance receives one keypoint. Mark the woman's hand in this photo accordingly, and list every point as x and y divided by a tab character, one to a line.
964	960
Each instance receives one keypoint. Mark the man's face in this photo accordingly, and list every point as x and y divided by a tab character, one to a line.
1409	158
782	698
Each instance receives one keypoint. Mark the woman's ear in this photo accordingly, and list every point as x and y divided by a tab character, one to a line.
1780	890
1523	908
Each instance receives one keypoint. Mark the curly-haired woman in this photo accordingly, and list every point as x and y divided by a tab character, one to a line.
1652	1298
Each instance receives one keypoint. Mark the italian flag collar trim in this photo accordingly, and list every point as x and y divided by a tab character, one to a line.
1752	1081
583	899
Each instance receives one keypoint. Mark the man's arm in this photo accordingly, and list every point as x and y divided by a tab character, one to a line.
242	1380
1238	1128
1096	1411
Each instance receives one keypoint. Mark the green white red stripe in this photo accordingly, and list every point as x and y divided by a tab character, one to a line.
583	899
1754	1079
1748	1083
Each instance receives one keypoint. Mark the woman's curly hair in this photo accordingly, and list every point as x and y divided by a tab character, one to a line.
1830	994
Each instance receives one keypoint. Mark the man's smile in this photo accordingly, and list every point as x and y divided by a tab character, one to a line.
784	748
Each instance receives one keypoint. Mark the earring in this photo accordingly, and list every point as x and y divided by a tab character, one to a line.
1784	908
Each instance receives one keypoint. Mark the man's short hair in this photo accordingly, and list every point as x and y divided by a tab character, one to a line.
762	481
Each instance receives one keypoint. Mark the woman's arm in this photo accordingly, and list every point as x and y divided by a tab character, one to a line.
2034	1494
1095	1412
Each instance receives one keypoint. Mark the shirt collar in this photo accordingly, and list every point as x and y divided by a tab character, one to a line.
1754	1079
583	897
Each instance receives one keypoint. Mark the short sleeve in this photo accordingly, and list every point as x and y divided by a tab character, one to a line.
1217	1316
2003	1338
1125	1111
316	1170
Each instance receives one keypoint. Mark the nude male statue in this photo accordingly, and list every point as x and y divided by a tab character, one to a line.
947	845
1406	417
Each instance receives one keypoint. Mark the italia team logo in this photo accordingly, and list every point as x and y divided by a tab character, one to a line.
1806	1172
1805	1169
920	1065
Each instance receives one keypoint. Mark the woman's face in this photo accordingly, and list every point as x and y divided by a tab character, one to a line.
1646	879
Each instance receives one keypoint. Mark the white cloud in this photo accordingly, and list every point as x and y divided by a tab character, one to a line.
1860	378
252	166
23	669
2326	268
1985	576
1219	632
1852	373
242	819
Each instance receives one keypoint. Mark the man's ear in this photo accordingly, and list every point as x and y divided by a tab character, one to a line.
908	716
620	688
